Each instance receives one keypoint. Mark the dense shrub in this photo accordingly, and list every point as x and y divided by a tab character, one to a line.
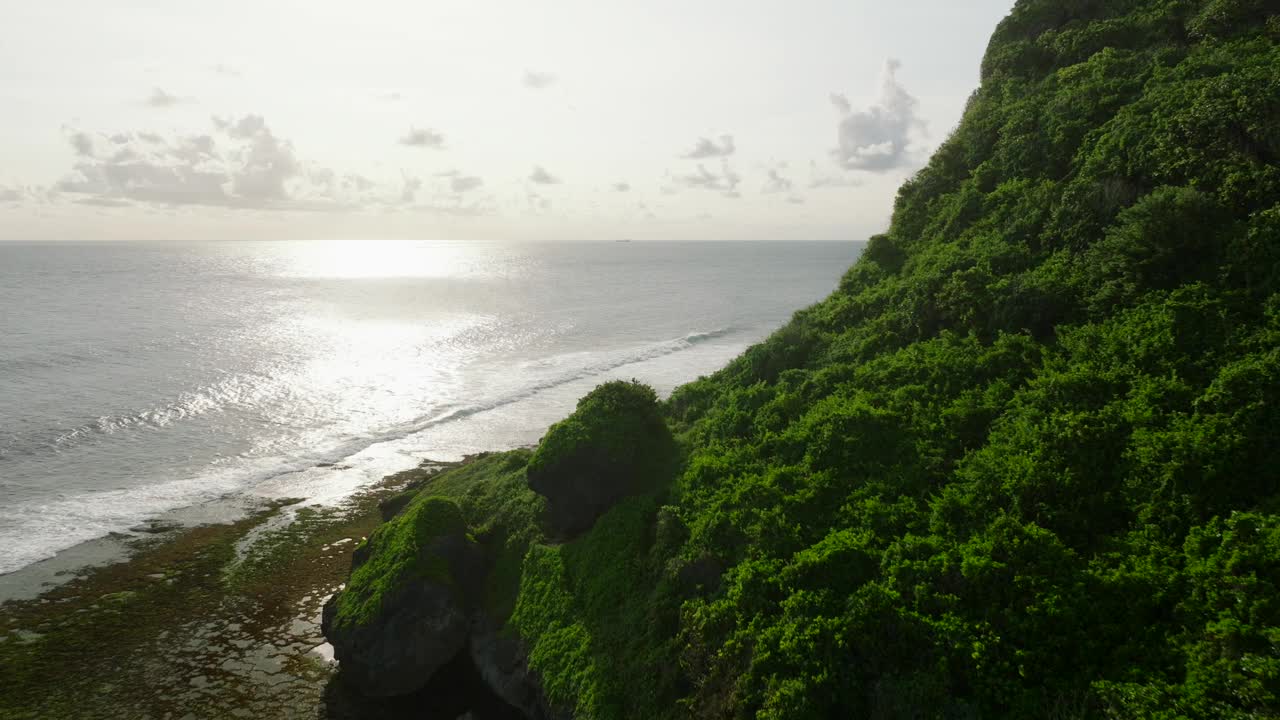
616	443
1022	463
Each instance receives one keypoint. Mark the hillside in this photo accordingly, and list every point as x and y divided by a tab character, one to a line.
1023	462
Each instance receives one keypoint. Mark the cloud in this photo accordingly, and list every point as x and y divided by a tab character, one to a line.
446	197
82	143
103	202
538	204
706	148
540	176
877	139
242	164
357	183
776	183
410	190
819	180
725	182
10	195
621	187
423	137
459	183
161	99
538	80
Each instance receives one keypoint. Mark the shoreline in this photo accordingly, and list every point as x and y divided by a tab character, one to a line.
215	620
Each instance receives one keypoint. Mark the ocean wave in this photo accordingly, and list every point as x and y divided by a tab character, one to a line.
236	390
34	531
577	370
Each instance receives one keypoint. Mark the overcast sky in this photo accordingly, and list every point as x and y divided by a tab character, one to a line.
494	119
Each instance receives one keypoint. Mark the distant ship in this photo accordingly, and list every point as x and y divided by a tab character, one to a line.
623	240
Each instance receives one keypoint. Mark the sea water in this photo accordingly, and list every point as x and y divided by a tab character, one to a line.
136	378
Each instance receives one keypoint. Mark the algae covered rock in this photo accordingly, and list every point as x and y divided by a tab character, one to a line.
405	610
615	444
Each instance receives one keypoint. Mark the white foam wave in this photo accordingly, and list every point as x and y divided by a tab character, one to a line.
37	530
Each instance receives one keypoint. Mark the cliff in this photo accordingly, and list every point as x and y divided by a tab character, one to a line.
1023	462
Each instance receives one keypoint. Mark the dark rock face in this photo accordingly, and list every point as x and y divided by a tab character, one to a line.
503	664
422	629
407	611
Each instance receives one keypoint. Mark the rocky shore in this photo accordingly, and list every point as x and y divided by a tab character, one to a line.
217	621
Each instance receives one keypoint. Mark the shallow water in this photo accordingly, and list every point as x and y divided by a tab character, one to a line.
136	378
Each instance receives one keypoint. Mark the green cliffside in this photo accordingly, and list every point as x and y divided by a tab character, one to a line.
1024	462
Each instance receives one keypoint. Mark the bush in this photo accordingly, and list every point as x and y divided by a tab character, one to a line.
616	443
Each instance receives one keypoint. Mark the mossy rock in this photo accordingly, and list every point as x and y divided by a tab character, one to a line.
405	610
615	444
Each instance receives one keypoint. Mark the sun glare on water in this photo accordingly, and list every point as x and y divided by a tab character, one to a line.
378	259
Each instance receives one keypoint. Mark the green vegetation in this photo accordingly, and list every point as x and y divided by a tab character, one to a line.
614	444
1022	463
404	548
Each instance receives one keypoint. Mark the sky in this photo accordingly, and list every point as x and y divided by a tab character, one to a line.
474	119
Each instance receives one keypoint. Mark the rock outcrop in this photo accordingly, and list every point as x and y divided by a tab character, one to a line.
405	612
503	664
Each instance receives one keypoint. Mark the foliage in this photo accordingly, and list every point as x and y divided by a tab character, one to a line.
404	548
1022	463
615	444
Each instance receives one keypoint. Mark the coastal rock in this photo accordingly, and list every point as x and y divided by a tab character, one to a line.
503	665
405	611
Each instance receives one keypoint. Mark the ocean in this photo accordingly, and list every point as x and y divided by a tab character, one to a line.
140	378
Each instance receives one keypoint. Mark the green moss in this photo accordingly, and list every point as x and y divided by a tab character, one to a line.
397	552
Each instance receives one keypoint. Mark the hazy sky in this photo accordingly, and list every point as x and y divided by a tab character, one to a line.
575	119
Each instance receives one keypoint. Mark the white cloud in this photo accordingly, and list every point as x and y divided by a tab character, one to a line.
775	182
423	137
725	182
878	138
538	204
82	143
707	148
410	189
538	80
161	99
540	176
447	196
241	164
621	187
465	183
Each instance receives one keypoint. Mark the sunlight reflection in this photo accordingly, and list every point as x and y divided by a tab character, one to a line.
379	259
